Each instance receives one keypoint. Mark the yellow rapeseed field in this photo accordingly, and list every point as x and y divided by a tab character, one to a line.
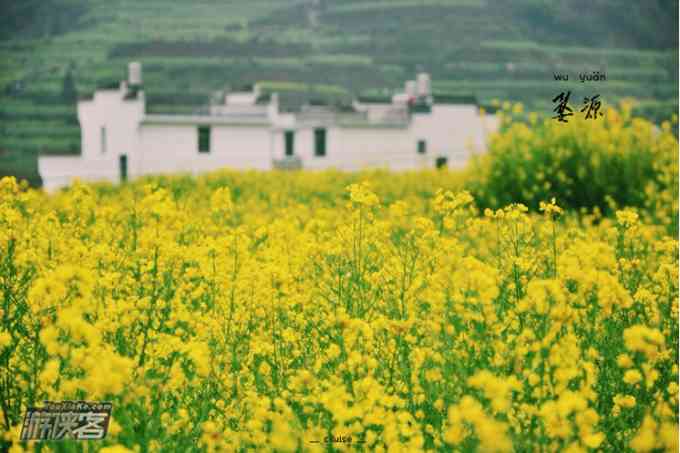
319	311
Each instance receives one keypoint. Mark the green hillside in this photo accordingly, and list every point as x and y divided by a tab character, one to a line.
487	48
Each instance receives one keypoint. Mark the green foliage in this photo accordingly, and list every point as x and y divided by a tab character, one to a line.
38	18
614	161
68	92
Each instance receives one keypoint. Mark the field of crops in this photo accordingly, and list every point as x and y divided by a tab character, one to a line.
305	311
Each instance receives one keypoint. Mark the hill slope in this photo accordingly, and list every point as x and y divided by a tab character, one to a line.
491	49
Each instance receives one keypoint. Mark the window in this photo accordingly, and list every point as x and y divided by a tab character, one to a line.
102	139
289	138
319	142
203	139
441	162
123	167
422	146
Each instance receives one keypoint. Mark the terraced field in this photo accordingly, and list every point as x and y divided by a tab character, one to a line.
506	50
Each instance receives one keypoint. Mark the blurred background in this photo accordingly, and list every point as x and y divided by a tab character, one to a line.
54	51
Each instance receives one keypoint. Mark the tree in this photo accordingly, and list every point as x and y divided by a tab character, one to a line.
68	91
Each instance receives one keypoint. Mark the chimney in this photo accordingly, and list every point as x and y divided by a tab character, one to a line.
135	73
410	88
424	87
273	107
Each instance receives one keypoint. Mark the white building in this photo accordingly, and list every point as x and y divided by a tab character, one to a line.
248	130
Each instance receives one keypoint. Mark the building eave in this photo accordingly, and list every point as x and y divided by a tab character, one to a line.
373	125
200	120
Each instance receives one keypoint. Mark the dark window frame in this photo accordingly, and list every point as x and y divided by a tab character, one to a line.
204	139
123	167
422	147
320	142
289	143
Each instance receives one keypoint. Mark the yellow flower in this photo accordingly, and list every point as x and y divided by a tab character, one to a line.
5	340
118	448
593	440
643	339
645	439
550	209
200	354
626	401
624	361
181	298
221	202
632	377
627	218
333	351
362	195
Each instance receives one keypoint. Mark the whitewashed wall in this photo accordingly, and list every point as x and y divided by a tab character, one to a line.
282	122
451	131
240	147
173	148
120	118
165	149
374	147
59	171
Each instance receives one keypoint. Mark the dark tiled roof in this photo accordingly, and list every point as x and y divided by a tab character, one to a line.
132	93
263	99
375	99
293	101
455	99
108	84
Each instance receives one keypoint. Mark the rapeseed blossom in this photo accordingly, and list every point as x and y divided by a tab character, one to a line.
293	311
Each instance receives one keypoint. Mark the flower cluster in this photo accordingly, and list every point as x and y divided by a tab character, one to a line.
261	312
